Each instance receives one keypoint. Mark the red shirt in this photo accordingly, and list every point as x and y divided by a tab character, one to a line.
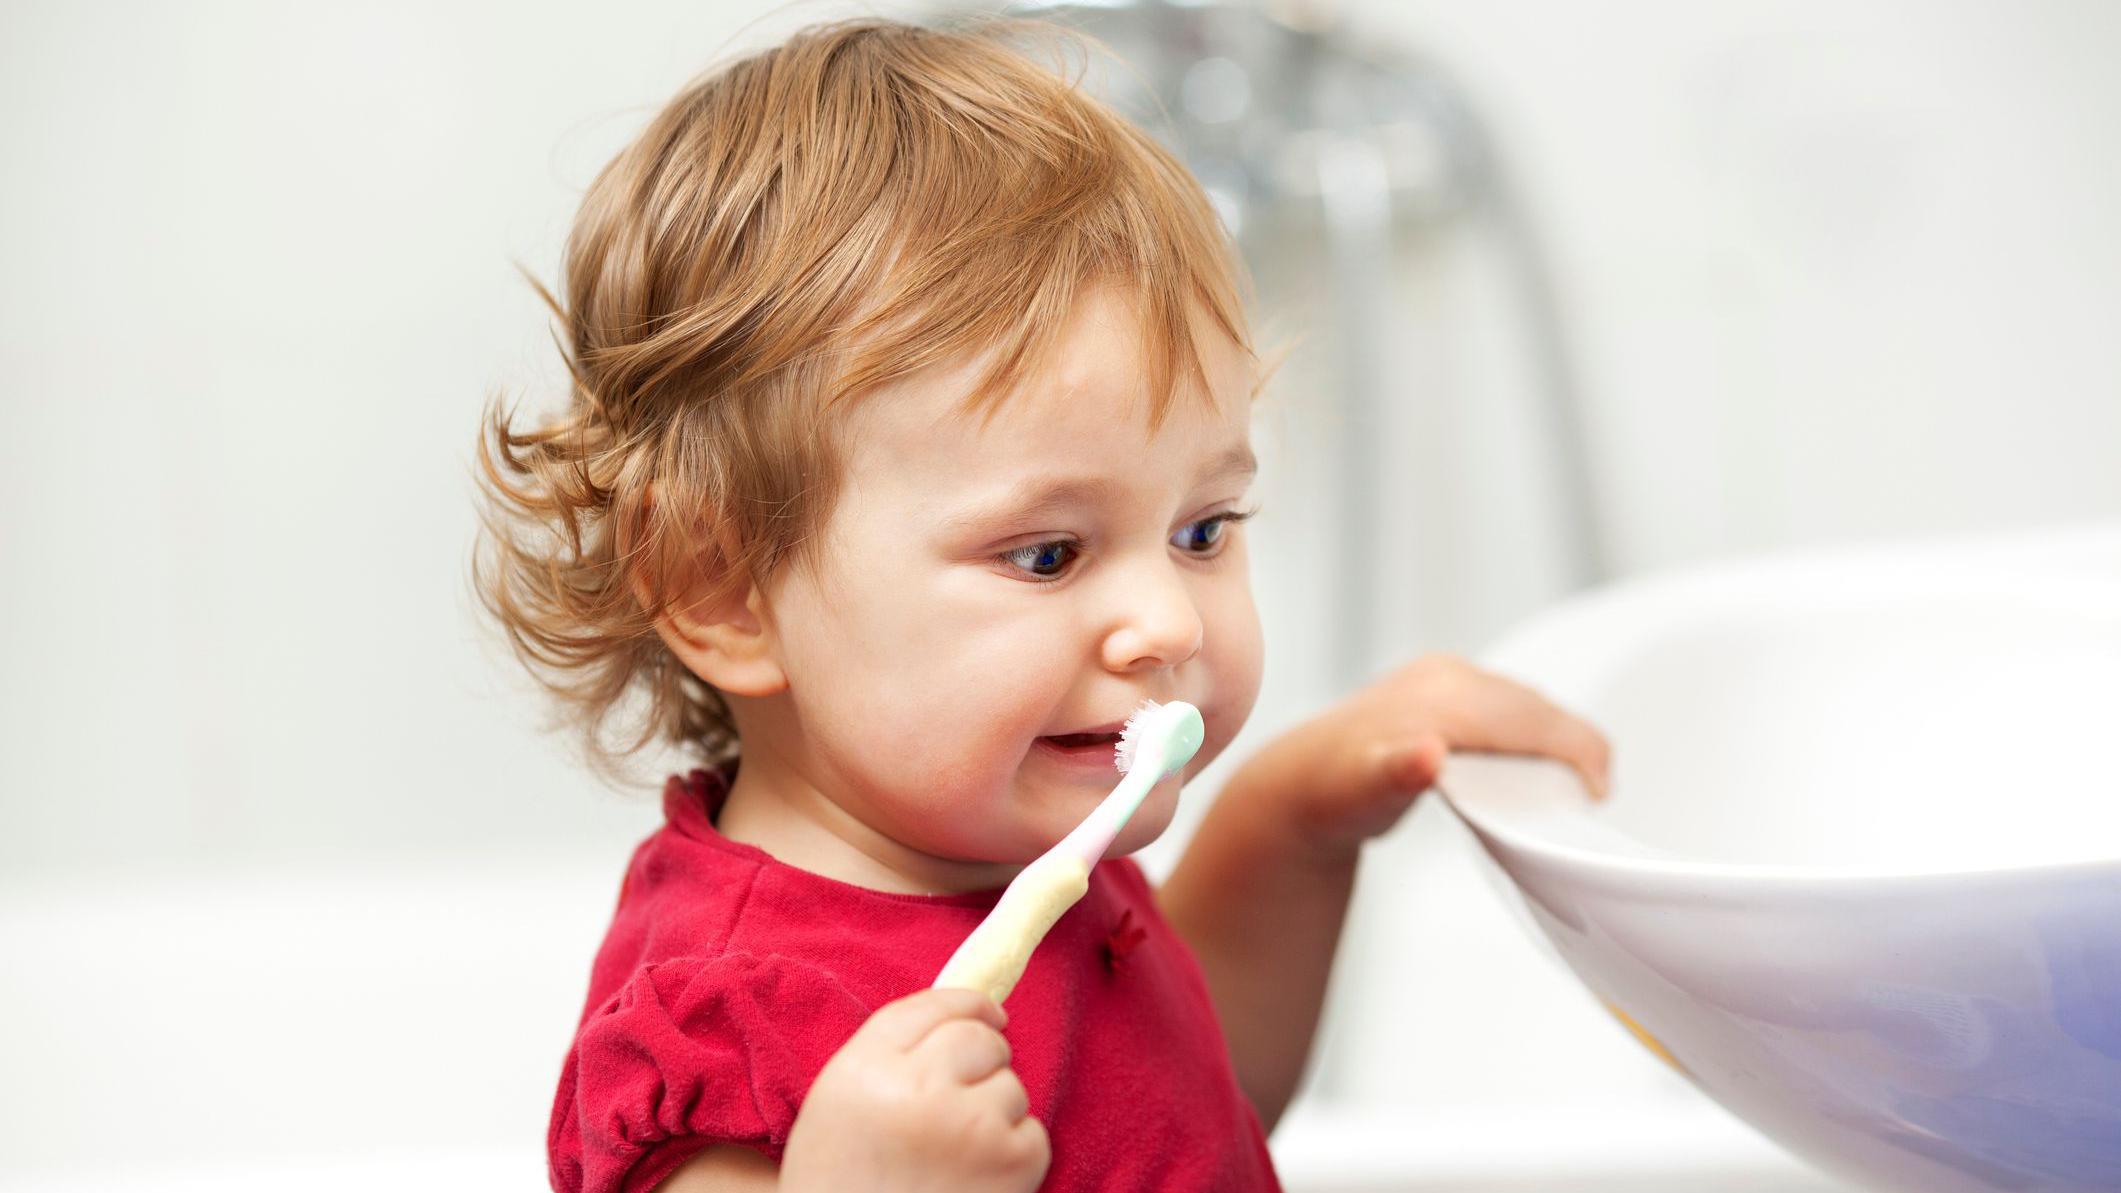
729	978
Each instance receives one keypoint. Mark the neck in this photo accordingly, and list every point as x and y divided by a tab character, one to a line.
772	807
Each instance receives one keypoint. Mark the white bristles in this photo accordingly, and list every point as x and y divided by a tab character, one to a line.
1130	736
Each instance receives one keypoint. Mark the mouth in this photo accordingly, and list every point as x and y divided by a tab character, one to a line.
1085	742
1088	752
1090	755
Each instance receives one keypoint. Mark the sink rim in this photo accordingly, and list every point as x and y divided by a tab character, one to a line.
1474	802
1582	637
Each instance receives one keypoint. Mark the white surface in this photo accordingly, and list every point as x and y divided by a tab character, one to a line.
1579	1149
258	1017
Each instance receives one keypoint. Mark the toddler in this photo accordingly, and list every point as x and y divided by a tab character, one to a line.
907	454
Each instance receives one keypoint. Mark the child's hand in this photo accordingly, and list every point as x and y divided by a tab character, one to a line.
1356	768
921	1097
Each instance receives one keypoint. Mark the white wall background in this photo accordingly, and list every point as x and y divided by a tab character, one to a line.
1833	271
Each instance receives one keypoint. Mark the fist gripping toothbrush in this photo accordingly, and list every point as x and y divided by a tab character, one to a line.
1157	741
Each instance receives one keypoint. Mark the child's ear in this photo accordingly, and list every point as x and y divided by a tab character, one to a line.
727	642
730	645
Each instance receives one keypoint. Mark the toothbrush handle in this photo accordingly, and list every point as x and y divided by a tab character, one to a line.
993	957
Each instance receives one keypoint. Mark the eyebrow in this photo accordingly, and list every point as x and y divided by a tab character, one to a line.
1041	494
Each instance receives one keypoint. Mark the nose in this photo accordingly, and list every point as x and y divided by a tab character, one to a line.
1158	621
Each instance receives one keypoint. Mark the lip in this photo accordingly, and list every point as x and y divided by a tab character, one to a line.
1121	724
1107	727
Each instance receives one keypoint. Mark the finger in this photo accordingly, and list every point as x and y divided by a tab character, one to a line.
1515	719
1348	777
1575	742
1602	767
1004	1090
1544	728
965	1049
1033	1149
1412	765
902	1024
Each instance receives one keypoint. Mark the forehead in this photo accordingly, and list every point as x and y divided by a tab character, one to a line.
1086	412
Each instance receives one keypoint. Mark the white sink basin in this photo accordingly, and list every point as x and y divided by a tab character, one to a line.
1860	876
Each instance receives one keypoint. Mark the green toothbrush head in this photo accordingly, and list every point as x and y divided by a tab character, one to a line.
1162	736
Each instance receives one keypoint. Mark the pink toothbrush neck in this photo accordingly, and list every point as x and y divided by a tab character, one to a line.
1088	840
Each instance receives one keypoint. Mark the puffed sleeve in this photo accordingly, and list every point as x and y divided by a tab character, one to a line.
693	1051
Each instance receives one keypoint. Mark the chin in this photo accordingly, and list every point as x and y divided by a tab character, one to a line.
1149	822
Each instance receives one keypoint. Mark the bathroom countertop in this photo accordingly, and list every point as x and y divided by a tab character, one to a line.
1649	1148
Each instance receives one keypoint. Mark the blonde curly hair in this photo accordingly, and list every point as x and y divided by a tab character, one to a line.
797	228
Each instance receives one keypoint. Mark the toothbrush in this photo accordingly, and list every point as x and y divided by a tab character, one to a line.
1158	740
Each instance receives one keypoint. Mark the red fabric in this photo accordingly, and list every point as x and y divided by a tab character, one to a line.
727	980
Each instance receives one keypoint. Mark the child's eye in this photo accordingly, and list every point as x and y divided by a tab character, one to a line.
1040	555
1208	533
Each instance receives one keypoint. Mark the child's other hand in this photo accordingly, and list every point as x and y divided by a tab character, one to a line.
1355	769
921	1097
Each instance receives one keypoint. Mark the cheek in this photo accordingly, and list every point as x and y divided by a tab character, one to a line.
926	680
1240	656
1233	659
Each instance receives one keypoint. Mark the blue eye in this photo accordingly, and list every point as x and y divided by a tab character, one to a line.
1040	555
1208	533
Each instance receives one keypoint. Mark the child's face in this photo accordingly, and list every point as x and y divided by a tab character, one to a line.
951	628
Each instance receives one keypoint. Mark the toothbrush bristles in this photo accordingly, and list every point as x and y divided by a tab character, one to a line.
1129	736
